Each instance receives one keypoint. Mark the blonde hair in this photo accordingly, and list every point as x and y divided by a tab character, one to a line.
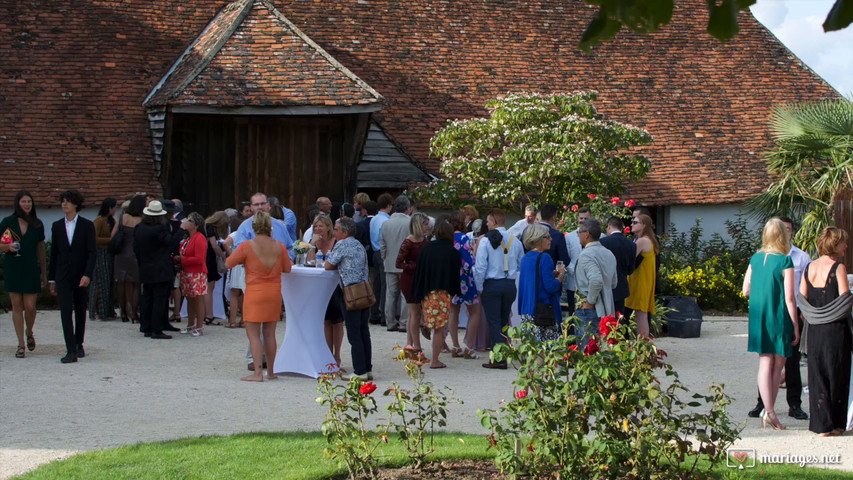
829	240
416	224
262	223
533	234
361	198
219	220
649	231
471	211
325	220
775	237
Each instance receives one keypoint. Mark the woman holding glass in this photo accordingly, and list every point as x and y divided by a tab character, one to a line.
24	266
323	241
773	330
193	259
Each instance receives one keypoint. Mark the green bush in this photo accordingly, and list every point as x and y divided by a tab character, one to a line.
604	412
710	270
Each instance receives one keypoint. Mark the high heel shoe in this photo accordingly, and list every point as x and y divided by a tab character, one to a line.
765	419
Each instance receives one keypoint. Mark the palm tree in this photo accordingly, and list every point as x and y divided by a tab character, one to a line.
812	162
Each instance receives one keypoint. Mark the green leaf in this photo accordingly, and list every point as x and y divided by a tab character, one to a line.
722	22
840	16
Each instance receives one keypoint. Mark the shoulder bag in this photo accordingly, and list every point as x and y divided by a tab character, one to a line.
358	296
543	313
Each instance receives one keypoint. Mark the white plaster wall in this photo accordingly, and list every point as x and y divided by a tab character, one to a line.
713	218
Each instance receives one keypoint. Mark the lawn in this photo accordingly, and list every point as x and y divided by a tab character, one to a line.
295	456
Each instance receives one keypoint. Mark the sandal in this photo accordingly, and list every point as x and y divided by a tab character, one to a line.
470	355
231	325
457	352
31	342
20	353
438	365
240	324
211	321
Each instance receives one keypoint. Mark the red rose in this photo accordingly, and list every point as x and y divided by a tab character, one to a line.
630	203
607	325
627	230
591	348
575	208
612	341
521	394
591	196
367	388
574	347
614	200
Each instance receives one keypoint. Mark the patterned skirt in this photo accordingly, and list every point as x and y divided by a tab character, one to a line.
101	287
193	284
436	309
541	334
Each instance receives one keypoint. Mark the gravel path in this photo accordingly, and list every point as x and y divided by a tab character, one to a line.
130	389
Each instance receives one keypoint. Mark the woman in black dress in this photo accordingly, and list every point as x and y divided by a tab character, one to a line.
828	344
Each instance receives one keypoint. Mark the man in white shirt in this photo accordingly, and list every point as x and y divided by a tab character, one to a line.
793	379
495	271
573	244
393	233
385	203
529	219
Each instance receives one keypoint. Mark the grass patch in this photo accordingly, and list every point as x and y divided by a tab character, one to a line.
297	456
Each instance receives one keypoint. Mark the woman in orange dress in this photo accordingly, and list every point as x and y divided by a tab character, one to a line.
265	260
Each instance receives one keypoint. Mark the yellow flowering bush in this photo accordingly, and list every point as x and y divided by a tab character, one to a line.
714	282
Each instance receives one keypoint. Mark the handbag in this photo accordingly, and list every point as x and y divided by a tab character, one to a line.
358	296
116	242
543	313
220	265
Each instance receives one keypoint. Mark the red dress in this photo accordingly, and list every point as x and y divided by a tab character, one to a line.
407	260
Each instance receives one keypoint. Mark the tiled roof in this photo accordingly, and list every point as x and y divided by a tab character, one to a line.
74	76
251	55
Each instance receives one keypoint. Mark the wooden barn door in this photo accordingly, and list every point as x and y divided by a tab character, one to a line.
218	161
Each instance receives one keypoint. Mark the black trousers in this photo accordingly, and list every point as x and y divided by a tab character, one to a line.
72	299
496	298
377	281
154	306
358	334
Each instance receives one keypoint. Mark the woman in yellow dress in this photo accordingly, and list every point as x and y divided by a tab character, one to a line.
641	283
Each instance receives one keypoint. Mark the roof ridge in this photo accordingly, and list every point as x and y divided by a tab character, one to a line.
338	65
245	6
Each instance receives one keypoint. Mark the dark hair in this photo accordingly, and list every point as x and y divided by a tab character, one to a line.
443	230
371	206
154	219
72	196
643	210
401	204
385	200
32	218
584	210
593	228
277	212
137	204
312	211
347	210
548	211
616	223
457	220
498	215
106	205
789	222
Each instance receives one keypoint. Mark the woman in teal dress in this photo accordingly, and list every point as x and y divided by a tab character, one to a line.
24	270
773	331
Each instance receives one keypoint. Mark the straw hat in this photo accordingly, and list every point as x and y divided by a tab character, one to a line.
154	209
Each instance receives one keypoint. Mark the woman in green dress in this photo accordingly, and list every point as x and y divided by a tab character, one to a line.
769	285
24	269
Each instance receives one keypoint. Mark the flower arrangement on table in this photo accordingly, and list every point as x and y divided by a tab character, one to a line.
300	247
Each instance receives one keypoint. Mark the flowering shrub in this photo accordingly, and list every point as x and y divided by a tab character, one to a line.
415	413
346	428
603	413
712	270
601	208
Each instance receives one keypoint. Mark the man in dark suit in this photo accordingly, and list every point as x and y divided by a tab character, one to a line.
371	208
72	260
558	250
625	252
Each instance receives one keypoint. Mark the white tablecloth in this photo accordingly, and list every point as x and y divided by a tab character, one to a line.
218	302
306	292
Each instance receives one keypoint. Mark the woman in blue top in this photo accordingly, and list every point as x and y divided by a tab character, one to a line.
537	240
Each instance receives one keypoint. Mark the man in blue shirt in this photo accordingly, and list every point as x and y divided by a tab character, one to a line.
377	279
495	271
280	231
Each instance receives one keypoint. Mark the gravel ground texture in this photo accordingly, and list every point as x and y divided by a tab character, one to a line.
130	389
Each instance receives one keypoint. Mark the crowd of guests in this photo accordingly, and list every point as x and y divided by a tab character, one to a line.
423	271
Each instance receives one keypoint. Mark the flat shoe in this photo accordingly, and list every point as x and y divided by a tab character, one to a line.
440	365
496	366
31	343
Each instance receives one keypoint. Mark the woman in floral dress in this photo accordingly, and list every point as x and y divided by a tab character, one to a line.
469	295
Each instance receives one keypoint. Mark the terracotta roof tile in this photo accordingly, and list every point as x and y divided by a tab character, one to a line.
74	76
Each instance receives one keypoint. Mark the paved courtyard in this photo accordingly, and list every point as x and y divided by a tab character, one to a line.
131	389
